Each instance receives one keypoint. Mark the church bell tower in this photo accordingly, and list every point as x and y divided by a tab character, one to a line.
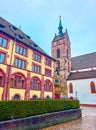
61	51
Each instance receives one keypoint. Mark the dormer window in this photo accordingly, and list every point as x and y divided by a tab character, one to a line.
2	26
19	37
13	28
35	45
27	36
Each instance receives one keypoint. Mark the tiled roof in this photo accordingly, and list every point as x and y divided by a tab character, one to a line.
16	33
82	75
84	61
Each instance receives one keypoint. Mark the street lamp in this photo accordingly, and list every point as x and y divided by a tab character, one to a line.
76	95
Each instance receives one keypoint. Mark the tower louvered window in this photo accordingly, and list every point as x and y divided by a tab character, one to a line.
58	53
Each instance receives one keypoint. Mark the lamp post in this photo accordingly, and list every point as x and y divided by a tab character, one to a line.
61	79
57	84
76	95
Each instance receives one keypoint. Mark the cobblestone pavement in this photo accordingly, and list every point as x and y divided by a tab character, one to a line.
88	121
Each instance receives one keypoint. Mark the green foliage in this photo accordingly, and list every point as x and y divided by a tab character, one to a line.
20	109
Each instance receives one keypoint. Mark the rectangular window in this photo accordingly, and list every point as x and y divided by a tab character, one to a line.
17	49
11	82
24	52
0	80
23	64
47	72
1	39
48	62
2	57
16	62
22	84
36	68
36	57
3	42
20	63
33	68
14	83
21	50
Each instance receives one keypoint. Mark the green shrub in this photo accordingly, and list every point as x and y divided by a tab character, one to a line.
20	109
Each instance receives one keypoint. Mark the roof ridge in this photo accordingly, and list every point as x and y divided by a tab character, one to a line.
84	54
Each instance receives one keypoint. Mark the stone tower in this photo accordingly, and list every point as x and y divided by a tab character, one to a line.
61	51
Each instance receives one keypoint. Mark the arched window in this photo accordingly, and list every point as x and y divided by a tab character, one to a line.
17	81
34	97
35	84
70	88
58	53
2	78
16	97
92	87
47	97
48	86
67	53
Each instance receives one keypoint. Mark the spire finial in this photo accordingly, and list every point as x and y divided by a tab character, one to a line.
59	17
60	26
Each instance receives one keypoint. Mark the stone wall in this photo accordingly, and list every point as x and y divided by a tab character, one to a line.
40	121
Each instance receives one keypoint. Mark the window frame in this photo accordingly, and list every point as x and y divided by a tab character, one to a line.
2	42
16	81
92	84
48	62
35	84
70	88
35	68
4	57
20	49
20	62
35	56
58	53
48	85
48	72
2	74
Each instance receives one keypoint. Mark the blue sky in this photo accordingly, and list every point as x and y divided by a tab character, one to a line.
40	19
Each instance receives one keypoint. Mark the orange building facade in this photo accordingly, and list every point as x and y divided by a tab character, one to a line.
26	71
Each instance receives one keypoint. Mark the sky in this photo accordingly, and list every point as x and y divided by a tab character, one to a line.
40	20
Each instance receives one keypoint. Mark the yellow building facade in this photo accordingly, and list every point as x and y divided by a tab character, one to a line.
26	71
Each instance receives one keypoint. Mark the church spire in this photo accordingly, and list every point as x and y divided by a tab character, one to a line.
60	26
